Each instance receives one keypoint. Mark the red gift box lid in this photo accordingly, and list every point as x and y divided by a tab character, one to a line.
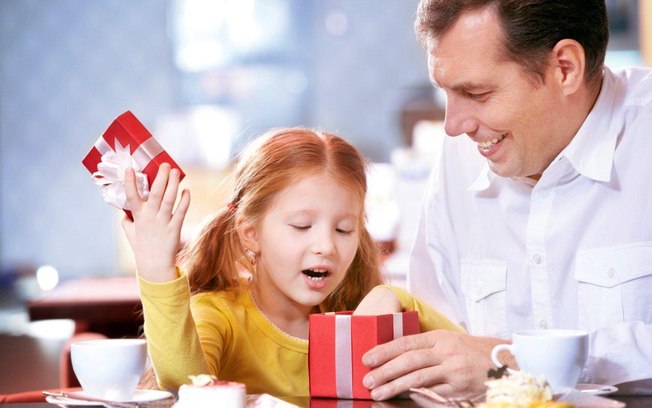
127	130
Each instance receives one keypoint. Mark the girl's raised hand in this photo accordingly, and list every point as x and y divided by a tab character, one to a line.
155	232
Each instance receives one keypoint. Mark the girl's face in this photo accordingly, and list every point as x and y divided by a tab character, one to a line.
305	242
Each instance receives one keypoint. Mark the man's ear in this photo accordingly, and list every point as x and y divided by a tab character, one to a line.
568	62
248	234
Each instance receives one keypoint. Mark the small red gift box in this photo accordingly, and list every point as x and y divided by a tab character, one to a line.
126	143
337	342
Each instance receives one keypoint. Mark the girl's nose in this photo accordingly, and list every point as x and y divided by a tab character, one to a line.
324	245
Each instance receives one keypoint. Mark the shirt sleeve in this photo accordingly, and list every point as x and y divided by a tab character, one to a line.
429	318
173	344
427	277
621	353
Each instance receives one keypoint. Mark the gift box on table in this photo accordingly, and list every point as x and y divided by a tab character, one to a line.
337	342
126	143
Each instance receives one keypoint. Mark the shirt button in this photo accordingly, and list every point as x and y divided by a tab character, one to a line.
543	324
611	272
543	194
537	259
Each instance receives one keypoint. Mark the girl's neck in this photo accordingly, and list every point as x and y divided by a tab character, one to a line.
288	316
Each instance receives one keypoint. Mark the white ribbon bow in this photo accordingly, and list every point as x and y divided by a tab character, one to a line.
110	176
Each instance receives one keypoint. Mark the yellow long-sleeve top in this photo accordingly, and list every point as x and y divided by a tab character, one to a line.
429	318
225	334
220	333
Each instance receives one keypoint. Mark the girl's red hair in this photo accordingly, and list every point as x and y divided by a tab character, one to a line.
266	166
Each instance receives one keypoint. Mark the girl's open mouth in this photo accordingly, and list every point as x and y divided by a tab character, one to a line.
315	274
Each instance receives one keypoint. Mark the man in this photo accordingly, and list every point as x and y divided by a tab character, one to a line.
539	215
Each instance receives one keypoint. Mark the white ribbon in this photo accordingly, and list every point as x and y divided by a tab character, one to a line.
398	324
111	172
343	356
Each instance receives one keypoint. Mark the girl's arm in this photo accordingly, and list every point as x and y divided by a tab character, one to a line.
154	236
155	232
172	339
391	299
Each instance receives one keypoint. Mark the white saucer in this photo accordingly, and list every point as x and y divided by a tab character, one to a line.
139	396
596	389
584	400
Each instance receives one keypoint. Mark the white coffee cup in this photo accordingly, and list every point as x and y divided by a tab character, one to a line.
558	355
109	369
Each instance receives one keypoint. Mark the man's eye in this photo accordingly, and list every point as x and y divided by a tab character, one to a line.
478	96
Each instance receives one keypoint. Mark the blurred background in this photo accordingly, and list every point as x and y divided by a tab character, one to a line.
204	77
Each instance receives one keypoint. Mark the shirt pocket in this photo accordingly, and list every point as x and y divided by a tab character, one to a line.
483	283
614	285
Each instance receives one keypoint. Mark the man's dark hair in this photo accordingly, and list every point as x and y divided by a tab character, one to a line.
531	28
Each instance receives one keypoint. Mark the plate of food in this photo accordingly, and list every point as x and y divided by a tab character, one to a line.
521	389
79	399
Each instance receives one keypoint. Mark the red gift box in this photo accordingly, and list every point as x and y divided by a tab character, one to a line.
337	342
126	143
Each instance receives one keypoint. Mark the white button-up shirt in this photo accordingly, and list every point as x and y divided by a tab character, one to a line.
573	250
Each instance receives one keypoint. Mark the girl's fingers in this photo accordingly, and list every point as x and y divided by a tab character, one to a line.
159	185
170	195
128	227
131	191
182	208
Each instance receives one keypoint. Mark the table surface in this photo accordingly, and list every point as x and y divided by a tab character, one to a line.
631	402
106	305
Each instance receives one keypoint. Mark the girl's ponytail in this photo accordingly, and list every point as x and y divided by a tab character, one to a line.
212	258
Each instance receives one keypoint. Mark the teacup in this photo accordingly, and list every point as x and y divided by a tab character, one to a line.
109	369
558	355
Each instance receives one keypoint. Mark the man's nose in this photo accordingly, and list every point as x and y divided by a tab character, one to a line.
459	117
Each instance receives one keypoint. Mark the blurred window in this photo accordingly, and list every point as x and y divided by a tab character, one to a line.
248	56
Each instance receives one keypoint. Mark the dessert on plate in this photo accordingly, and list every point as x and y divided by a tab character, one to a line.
207	391
521	390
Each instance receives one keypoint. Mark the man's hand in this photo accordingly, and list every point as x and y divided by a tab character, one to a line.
451	364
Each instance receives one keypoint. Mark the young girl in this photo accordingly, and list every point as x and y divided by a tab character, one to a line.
291	241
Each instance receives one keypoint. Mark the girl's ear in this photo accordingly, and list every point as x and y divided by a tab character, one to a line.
248	234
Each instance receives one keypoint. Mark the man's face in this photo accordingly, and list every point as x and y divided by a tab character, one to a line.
514	119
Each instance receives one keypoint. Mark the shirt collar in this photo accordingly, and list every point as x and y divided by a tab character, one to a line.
484	179
591	151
